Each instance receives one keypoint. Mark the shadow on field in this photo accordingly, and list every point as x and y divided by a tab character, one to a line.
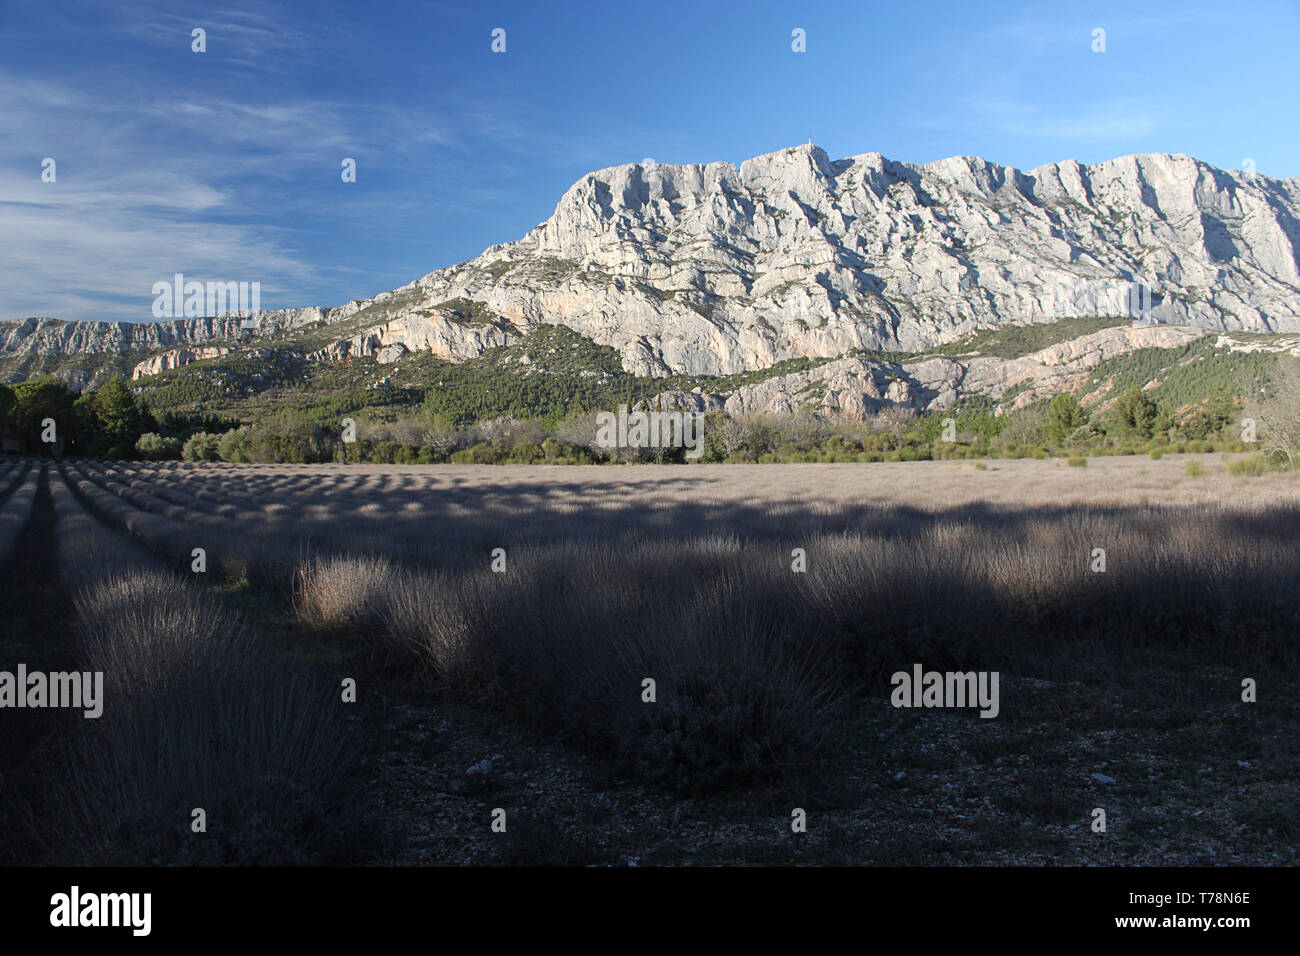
765	630
34	606
769	633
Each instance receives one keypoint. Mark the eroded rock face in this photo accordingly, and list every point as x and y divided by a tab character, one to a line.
46	336
856	388
175	358
696	401
1067	365
428	330
714	269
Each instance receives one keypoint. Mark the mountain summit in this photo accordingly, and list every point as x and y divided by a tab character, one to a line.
713	269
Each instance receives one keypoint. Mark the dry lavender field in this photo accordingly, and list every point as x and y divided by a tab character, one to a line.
362	664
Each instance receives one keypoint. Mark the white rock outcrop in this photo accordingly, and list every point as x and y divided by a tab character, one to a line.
855	388
175	358
716	269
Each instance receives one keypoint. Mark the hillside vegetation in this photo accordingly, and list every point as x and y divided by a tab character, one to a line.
535	400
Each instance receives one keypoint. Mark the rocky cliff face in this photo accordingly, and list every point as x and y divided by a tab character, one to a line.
45	336
437	331
854	388
715	269
175	358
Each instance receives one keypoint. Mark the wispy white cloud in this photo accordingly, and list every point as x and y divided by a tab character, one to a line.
62	263
271	39
125	210
157	184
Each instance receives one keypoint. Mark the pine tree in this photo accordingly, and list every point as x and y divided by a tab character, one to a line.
118	416
1064	417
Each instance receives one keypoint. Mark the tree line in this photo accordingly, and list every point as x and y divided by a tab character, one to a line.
45	416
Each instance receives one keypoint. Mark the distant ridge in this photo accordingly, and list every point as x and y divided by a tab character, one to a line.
716	269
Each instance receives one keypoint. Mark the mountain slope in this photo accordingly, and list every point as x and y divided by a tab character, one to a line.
712	269
716	270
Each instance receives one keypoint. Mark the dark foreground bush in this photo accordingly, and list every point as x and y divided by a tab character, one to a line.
198	716
569	639
751	659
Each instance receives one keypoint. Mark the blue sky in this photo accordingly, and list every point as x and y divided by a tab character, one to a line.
225	165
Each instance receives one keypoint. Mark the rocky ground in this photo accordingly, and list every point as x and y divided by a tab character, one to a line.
1181	784
1185	771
